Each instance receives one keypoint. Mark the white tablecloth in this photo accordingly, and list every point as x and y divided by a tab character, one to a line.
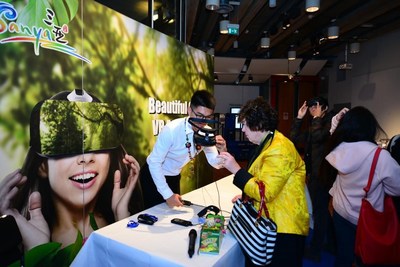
164	243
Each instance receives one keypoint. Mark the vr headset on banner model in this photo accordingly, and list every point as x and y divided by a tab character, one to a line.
62	128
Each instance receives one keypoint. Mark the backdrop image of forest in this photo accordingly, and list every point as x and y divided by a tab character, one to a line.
118	60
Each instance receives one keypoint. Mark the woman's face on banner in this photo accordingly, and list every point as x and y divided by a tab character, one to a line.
78	179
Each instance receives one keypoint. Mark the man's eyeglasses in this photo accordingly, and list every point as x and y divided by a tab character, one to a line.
202	116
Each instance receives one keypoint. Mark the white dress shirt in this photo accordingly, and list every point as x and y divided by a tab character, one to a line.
170	154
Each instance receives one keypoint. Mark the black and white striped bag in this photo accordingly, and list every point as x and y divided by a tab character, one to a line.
256	234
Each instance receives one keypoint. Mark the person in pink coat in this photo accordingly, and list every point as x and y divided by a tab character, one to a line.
351	150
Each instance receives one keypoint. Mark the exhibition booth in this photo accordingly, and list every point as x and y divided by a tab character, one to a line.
53	49
165	243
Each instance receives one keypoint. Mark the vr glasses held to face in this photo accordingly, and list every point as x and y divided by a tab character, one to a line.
204	136
317	100
64	128
311	103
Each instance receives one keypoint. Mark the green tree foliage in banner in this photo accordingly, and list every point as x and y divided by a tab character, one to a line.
129	63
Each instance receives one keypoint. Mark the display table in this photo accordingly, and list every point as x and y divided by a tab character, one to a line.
164	244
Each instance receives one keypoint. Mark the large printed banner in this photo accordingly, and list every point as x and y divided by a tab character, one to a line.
47	50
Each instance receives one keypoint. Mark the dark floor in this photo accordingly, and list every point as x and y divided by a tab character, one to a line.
327	259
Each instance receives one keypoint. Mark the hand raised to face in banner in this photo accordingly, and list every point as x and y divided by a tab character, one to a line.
34	231
121	195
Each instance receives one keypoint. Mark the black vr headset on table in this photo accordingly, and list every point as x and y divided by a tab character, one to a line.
204	136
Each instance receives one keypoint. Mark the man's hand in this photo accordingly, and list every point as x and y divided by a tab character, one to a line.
302	111
221	143
174	201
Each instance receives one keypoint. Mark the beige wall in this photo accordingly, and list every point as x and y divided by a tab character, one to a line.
374	81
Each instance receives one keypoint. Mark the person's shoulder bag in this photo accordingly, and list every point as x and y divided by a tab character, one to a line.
255	234
378	233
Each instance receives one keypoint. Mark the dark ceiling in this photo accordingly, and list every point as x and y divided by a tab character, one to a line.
358	21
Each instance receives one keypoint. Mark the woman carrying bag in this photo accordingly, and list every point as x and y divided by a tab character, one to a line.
351	152
280	168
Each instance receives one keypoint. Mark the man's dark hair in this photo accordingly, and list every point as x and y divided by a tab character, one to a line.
203	98
318	99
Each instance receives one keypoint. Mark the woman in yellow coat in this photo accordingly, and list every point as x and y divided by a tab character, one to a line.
278	165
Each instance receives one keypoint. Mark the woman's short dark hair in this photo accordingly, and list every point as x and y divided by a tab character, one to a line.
259	115
203	98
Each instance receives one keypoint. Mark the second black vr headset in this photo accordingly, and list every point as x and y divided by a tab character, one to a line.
204	136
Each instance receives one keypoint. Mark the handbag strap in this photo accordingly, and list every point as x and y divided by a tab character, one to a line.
372	171
263	206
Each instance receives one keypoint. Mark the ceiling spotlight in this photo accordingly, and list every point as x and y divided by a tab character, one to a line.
291	54
155	15
223	26
333	32
312	5
167	16
225	7
264	43
354	47
286	24
212	4
250	78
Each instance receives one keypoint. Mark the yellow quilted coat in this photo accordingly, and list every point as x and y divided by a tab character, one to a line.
282	170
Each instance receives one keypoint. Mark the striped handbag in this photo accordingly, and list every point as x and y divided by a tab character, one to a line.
256	234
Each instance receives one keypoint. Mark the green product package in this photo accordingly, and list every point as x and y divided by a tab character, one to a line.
211	234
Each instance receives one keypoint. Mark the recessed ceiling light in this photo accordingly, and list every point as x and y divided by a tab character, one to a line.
367	25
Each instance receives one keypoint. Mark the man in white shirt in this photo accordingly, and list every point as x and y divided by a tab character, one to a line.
174	148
